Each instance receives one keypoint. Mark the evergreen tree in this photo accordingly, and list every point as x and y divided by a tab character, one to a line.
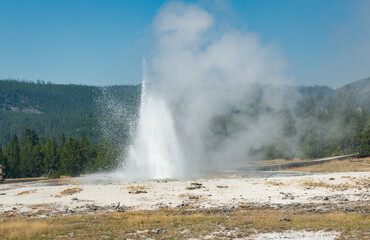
2	157
29	136
51	156
28	157
62	140
106	158
313	145
72	160
11	152
365	138
37	162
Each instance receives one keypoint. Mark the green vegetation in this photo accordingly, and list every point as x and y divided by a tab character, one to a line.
334	122
31	156
322	123
51	109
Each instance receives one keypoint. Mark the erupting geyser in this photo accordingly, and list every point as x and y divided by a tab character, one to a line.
155	152
210	100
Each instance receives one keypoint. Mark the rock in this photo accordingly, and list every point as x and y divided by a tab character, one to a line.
121	208
74	199
184	204
227	209
326	198
137	192
285	219
287	196
69	211
158	230
91	207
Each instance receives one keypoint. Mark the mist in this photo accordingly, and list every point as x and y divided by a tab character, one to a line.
200	86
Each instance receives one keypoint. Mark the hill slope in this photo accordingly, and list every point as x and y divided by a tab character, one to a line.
50	109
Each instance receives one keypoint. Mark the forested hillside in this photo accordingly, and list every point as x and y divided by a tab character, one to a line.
328	122
318	121
321	122
51	109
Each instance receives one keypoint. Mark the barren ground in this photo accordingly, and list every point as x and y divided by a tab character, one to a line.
312	206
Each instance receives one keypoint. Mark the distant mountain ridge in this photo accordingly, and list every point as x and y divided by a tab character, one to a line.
49	98
360	90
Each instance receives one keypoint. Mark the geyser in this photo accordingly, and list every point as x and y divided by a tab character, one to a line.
204	108
155	152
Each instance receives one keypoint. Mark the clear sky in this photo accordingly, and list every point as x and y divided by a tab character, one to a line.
102	42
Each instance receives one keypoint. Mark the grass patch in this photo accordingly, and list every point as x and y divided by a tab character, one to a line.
25	229
26	192
42	206
355	183
190	196
349	165
182	224
137	189
70	191
274	183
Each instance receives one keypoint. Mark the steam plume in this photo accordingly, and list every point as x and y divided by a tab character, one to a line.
201	89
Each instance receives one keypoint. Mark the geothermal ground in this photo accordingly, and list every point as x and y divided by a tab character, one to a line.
298	205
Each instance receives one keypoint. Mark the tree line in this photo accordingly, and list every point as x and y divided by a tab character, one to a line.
32	156
326	123
322	122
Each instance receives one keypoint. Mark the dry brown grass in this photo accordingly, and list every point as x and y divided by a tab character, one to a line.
66	180
70	191
190	196
361	182
26	192
137	189
350	165
244	206
358	183
42	205
182	224
274	183
24	229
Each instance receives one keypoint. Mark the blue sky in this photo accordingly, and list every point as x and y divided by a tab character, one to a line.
102	42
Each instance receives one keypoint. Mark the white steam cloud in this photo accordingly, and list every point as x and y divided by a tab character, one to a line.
198	80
